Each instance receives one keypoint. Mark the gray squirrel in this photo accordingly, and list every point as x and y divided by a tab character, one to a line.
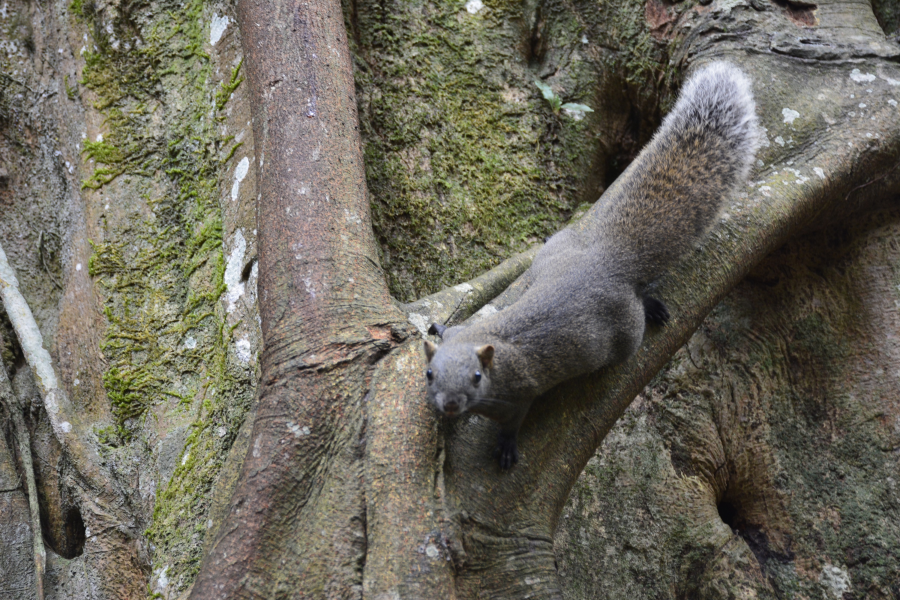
585	305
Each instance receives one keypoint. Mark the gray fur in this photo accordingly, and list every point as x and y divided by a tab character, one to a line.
584	308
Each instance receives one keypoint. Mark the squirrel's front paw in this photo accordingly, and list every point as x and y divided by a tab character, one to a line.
655	311
506	452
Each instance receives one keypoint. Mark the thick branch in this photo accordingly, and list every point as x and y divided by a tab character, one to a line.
454	305
297	517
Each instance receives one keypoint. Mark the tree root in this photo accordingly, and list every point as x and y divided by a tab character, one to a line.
15	407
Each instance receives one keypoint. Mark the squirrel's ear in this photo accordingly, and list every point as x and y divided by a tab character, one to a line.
486	356
430	349
437	329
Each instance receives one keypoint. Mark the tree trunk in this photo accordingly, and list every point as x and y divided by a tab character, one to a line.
243	400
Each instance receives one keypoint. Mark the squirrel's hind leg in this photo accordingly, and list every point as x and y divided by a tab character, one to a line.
655	311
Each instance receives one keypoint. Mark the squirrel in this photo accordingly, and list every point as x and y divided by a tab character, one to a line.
586	302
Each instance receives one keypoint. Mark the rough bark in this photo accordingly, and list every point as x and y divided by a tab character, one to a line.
762	461
128	183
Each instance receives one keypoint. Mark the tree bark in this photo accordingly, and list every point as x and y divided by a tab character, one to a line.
299	506
760	462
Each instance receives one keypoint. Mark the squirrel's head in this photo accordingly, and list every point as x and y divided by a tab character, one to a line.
458	375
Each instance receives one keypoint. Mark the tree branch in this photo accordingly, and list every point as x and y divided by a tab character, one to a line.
298	509
455	304
102	505
66	423
8	397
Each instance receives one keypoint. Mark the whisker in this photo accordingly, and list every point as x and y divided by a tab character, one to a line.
494	402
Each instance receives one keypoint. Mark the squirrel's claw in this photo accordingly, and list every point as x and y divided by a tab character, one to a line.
437	329
507	452
655	311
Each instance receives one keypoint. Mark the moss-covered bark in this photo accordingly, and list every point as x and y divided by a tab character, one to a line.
155	335
466	162
760	462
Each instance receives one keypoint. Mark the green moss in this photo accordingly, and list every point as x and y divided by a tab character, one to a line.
465	161
160	270
227	89
71	91
454	170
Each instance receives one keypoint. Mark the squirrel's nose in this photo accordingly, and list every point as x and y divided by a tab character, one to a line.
451	406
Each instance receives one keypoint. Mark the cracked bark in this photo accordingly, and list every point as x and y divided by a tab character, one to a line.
350	487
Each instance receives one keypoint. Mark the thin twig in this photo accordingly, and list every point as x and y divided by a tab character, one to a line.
66	422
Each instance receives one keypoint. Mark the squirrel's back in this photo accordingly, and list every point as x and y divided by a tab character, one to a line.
672	193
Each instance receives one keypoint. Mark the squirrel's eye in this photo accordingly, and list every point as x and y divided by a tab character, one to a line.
429	374
477	377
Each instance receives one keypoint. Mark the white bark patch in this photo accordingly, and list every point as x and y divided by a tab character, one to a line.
473	6
297	430
420	322
836	579
239	173
779	140
162	580
234	285
486	311
310	288
242	349
857	76
463	288
892	102
190	343
789	115
351	217
65	426
217	28
800	178
820	172
890	81
431	551
78	267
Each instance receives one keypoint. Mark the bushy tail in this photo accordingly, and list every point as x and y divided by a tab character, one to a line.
674	190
